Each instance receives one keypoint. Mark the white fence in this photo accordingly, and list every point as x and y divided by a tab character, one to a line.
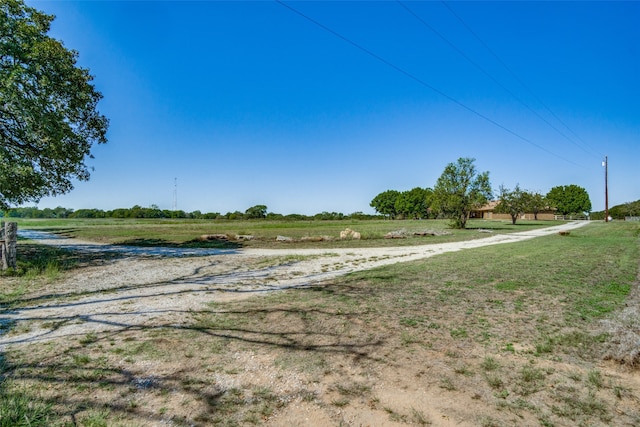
632	218
571	218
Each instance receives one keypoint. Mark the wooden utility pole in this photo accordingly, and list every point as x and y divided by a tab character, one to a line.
606	189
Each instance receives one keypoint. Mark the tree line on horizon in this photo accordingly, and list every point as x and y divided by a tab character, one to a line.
154	212
629	209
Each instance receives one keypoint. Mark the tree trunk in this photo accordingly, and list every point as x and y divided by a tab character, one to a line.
463	220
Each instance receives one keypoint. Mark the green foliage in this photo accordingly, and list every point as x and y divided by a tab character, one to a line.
513	202
39	261
569	199
48	115
536	203
256	212
18	409
489	364
459	190
328	216
385	203
95	419
152	212
414	203
620	211
627	209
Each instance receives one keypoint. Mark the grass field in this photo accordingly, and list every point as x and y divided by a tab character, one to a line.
187	232
521	334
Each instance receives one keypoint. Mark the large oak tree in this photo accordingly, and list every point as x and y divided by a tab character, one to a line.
48	109
569	199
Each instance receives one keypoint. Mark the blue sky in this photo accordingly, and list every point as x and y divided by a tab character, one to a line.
250	103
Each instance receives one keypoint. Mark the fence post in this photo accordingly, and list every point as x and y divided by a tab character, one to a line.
11	231
3	249
9	238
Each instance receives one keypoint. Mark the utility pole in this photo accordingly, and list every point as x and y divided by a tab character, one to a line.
606	189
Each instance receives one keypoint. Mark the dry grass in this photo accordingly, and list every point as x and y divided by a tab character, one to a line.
498	336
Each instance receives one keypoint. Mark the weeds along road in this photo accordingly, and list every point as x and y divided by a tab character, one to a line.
166	286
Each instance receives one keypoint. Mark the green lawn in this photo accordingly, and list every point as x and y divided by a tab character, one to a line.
181	232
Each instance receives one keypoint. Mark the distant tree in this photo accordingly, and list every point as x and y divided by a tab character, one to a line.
234	215
537	203
459	190
46	213
295	217
414	203
620	211
48	115
118	213
178	214
513	202
135	212
569	199
403	205
153	212
385	203
88	213
256	212
24	212
360	216
272	216
212	215
328	216
61	212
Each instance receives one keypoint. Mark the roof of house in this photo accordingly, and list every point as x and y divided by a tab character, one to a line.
489	206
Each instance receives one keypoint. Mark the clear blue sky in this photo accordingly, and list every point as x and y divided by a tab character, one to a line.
250	103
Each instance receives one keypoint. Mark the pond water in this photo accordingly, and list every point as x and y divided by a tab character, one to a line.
66	243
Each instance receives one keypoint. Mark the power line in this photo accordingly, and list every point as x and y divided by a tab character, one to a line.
422	82
486	73
515	76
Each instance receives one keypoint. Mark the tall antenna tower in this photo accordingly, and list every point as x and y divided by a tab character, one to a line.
606	188
174	205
